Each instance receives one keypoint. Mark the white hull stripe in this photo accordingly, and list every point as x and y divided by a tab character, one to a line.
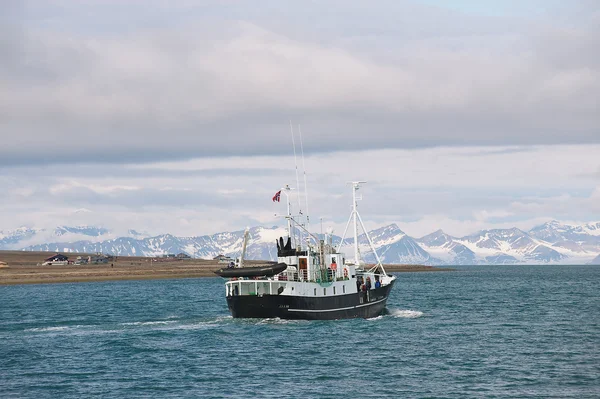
335	310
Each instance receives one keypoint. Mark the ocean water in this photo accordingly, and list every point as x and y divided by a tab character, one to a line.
478	332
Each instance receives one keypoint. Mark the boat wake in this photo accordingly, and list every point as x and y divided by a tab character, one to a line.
404	313
187	324
149	323
182	324
398	313
117	328
276	321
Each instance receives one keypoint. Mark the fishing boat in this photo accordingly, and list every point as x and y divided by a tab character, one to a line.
311	278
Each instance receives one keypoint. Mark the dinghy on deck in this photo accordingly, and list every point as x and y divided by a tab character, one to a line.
256	271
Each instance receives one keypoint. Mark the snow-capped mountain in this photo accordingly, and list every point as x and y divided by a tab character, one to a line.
12	238
136	234
25	236
447	248
552	242
577	238
512	242
261	245
84	230
542	244
382	236
405	250
393	246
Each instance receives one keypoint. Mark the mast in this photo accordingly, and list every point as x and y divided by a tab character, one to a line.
355	187
355	217
286	190
241	261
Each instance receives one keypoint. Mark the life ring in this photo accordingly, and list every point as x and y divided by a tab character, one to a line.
345	272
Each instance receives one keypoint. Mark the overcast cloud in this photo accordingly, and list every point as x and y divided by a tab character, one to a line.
175	118
458	189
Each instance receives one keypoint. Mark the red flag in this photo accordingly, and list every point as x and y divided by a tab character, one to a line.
277	196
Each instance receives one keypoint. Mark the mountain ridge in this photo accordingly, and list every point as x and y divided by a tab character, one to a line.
551	242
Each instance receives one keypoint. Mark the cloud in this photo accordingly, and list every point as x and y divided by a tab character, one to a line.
96	189
564	206
229	84
458	189
174	117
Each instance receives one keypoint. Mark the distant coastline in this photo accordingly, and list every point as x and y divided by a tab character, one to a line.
23	269
553	242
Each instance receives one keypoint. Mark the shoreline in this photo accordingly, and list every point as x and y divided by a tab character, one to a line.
23	269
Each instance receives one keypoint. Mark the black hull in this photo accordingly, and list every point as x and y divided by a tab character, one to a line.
349	306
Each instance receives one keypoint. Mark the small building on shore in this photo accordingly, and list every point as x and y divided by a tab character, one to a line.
82	260
183	255
58	259
99	258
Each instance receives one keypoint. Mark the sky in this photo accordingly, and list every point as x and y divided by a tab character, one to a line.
175	118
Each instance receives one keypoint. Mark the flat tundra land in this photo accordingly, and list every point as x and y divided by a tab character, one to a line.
25	268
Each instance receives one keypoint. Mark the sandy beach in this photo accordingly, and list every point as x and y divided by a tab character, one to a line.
23	268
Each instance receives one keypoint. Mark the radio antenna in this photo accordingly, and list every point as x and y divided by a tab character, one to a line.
297	179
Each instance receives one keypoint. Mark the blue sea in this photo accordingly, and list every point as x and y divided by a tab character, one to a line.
477	332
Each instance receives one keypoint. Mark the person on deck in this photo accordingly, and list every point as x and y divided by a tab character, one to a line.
333	265
331	271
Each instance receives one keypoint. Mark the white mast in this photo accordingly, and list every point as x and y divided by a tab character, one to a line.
286	190
355	187
243	255
355	216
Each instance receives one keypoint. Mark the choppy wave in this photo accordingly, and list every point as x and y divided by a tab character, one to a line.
84	342
42	329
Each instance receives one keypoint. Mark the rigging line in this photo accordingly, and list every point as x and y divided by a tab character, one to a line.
305	185
345	231
297	179
371	243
